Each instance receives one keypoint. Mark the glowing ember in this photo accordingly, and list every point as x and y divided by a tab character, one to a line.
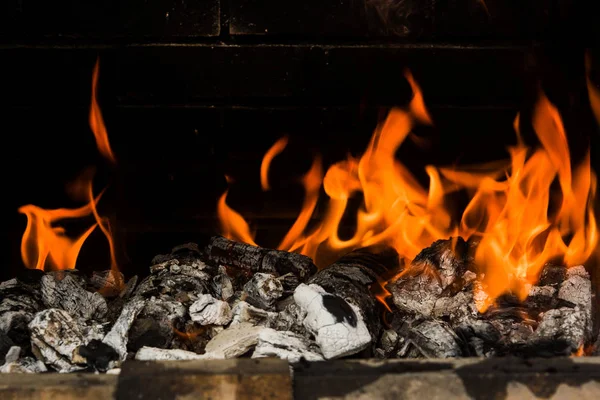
509	214
45	244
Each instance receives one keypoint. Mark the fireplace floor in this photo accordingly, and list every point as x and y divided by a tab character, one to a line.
472	378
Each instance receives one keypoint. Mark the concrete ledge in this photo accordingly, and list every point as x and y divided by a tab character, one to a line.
505	378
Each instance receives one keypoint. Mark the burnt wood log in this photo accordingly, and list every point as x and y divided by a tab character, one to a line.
227	252
352	278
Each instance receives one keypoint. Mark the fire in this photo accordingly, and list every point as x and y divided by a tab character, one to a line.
523	212
45	244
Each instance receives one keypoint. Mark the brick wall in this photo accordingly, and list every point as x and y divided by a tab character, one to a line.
180	79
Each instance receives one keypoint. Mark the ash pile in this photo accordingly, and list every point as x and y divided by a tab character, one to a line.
235	300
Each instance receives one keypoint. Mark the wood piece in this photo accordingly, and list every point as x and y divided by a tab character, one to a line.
117	337
263	290
209	311
57	386
66	292
257	259
338	326
286	346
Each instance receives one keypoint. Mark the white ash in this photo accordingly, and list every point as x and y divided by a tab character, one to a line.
286	345
338	326
69	295
14	364
113	371
263	290
223	287
155	354
234	341
209	311
55	336
244	312
118	336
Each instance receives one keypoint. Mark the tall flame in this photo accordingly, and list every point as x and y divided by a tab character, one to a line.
45	244
515	214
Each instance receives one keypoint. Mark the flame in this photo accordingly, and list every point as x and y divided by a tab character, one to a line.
276	149
233	225
45	244
523	212
593	91
97	122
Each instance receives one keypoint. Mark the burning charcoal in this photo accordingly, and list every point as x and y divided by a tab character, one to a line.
26	365
109	283
285	345
351	278
96	354
155	354
234	341
438	271
55	336
244	312
433	339
66	292
540	299
222	287
552	275
560	332
195	271
154	325
18	304
455	309
171	284
209	311
117	337
263	290
338	326
481	337
222	251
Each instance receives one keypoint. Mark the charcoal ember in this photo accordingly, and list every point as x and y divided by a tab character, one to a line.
175	285
577	289
387	344
154	325
455	309
222	287
351	278
552	275
109	283
65	291
18	303
244	312
290	319
156	354
561	332
289	282
117	337
433	338
5	344
55	336
96	354
14	364
263	290
337	325
222	251
541	298
286	345
234	341
194	337
209	311
440	270
512	321
481	337
115	305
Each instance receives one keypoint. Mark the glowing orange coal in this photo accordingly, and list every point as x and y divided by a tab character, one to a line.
523	212
45	244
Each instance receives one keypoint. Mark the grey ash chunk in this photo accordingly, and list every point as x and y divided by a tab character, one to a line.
287	346
560	332
118	335
65	291
15	364
432	339
209	311
263	290
222	251
245	312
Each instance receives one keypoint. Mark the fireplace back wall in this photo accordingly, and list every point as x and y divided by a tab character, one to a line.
194	90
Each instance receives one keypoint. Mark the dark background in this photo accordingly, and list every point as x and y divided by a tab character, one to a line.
194	89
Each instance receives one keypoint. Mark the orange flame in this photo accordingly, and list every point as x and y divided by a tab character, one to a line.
45	244
233	225
276	149
97	122
519	219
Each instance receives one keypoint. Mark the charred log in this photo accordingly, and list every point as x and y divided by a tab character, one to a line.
222	251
